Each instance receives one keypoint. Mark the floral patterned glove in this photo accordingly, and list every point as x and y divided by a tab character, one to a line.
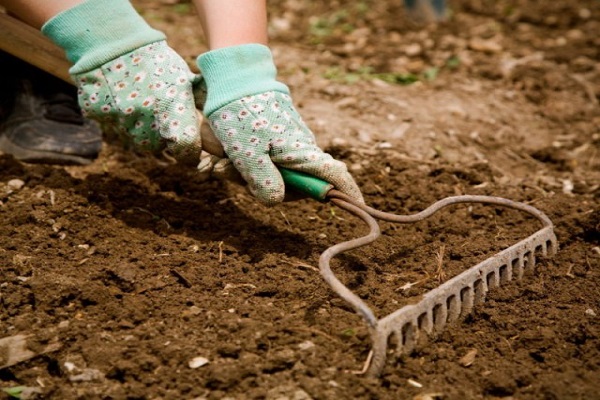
253	116
128	77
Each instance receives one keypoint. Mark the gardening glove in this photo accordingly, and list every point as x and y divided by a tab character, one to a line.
128	77
252	114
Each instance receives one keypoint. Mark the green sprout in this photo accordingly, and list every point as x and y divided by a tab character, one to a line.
337	74
348	332
14	391
431	73
453	62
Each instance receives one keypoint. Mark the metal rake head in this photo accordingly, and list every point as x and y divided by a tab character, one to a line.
448	302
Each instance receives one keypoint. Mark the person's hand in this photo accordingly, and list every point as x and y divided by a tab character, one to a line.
253	116
128	77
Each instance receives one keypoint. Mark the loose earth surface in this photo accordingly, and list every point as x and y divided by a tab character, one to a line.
133	267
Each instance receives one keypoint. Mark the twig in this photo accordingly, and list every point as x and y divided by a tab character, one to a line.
285	218
589	91
439	271
365	366
220	251
238	285
182	279
569	273
523	156
408	285
303	265
509	345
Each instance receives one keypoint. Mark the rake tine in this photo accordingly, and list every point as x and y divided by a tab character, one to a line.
480	289
454	307
440	317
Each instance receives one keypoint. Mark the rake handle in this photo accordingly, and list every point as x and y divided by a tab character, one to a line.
28	44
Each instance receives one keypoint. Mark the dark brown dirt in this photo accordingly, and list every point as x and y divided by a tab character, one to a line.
135	266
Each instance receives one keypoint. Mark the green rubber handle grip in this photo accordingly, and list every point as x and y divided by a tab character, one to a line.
306	184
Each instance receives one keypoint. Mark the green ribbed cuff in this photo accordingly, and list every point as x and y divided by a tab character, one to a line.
232	73
97	31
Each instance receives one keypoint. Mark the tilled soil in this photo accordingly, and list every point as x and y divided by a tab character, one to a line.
132	267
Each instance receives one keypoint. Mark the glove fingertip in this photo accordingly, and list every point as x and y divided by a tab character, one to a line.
341	179
267	186
352	190
267	196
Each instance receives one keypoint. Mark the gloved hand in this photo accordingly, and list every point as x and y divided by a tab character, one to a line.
252	114
128	77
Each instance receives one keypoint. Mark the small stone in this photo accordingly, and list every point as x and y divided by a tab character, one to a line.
468	359
356	167
567	186
413	50
87	375
485	46
585	13
70	366
15	184
575	34
590	312
280	25
341	142
63	325
197	362
194	310
306	345
384	145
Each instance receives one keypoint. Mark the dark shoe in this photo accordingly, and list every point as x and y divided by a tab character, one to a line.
42	123
48	130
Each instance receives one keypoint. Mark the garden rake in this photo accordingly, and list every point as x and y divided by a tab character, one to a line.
439	307
443	305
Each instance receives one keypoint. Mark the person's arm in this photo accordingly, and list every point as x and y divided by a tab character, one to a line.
233	22
250	111
35	12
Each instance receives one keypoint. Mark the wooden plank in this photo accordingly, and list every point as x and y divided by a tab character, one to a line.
28	44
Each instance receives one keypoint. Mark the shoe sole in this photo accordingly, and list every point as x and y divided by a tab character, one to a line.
40	157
